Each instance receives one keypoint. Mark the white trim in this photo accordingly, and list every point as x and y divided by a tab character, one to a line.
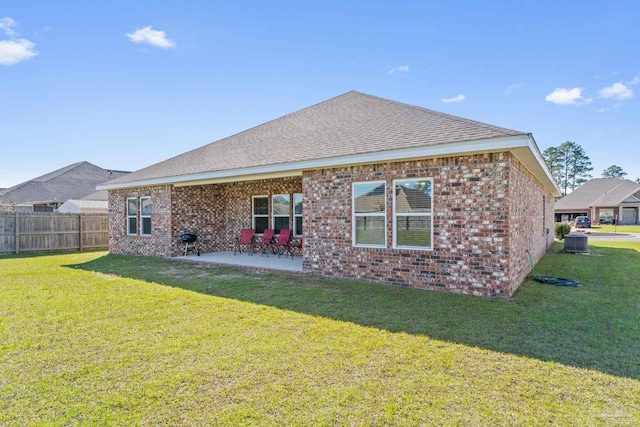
354	215
394	214
523	146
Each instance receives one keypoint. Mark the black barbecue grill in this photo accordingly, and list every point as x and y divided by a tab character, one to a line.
189	240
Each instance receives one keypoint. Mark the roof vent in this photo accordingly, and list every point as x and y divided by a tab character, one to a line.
576	243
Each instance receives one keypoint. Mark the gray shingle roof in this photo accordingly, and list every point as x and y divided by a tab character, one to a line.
598	192
70	182
350	124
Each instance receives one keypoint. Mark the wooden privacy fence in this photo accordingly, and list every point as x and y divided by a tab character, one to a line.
36	232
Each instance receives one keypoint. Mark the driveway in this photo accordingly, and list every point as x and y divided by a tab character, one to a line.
597	235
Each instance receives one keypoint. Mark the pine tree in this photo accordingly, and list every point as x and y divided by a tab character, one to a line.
614	171
569	165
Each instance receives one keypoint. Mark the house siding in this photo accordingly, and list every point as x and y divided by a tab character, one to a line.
474	242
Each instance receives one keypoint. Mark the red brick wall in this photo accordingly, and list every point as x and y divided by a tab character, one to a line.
531	214
488	211
160	241
472	247
217	213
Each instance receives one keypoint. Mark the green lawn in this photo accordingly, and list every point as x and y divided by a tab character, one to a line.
95	339
619	228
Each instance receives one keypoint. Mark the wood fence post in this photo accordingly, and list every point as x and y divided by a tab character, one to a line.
17	233
80	229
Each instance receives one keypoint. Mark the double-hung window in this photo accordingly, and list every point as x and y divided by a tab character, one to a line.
145	216
132	216
260	213
413	213
280	208
369	214
297	215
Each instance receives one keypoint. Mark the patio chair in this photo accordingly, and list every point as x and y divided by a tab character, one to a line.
265	243
284	242
245	241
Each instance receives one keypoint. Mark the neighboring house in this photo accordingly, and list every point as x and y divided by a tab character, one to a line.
96	202
48	192
603	200
453	204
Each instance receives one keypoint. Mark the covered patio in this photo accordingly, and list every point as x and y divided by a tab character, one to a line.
255	262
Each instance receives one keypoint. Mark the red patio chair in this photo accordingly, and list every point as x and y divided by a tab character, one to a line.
245	241
284	242
265	243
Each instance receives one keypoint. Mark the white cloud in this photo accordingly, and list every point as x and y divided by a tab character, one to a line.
635	80
563	96
602	110
617	91
14	51
5	26
400	69
512	89
155	38
458	98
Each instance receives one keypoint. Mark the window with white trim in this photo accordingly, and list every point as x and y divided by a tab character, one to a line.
145	216
297	215
413	213
281	212
260	213
132	216
369	214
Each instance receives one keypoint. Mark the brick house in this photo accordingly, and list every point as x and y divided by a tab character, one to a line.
604	200
380	190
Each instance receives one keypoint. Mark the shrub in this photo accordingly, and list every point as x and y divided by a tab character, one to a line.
562	229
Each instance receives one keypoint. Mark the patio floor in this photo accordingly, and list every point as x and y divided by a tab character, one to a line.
244	260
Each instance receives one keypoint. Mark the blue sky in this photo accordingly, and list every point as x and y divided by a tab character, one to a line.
126	84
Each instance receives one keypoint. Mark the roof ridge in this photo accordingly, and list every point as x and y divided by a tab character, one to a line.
606	192
441	114
245	131
56	173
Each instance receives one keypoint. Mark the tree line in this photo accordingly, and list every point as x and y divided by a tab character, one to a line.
570	166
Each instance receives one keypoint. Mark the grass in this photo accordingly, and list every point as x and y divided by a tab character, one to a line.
90	338
619	228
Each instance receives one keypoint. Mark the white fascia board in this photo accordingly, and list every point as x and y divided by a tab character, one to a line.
296	168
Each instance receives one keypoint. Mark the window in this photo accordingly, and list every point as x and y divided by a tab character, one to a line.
297	214
369	214
606	216
413	214
145	216
132	216
260	213
280	209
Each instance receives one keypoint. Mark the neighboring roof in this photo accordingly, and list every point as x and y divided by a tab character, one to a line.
97	195
340	130
89	204
598	192
84	206
70	182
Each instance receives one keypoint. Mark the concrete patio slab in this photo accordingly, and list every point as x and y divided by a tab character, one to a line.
244	260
